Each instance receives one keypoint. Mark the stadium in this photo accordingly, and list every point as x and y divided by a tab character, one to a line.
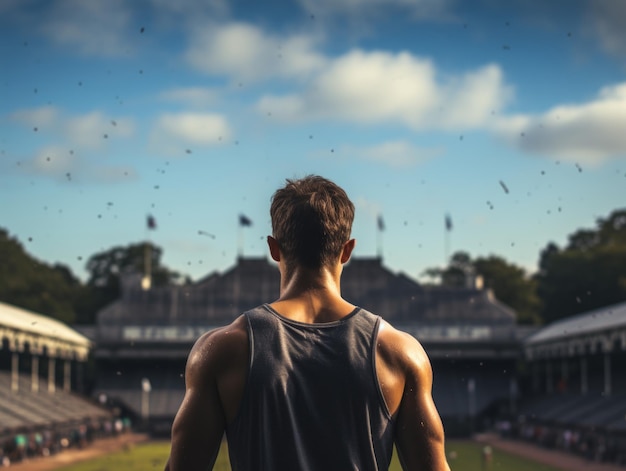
577	397
142	340
42	405
560	386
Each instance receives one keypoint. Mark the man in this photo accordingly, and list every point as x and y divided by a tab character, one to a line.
310	381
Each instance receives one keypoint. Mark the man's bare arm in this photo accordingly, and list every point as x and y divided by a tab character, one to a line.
199	424
419	431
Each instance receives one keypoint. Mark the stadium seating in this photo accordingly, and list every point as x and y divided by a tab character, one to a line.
569	409
26	408
122	386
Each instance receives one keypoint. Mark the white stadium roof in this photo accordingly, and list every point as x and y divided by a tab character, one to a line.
601	320
26	324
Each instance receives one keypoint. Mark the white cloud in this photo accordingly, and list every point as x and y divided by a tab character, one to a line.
51	160
471	100
352	8
607	20
192	97
86	131
58	163
172	131
111	173
91	130
191	9
367	87
589	132
95	27
82	136
398	154
44	117
381	87
110	28
244	53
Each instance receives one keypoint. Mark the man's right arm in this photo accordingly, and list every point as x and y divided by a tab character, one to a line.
419	431
215	376
199	424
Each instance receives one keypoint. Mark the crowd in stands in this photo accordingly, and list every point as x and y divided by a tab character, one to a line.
593	444
25	444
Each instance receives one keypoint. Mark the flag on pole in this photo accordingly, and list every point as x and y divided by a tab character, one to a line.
448	223
151	222
381	223
244	220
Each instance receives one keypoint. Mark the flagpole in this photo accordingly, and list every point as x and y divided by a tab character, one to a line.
448	230
146	281
243	222
240	242
380	226
446	248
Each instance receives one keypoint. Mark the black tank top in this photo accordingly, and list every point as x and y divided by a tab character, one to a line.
312	401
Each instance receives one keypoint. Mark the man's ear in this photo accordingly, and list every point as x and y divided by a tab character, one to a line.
348	247
274	248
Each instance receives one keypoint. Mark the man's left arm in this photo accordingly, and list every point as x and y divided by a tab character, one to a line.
199	424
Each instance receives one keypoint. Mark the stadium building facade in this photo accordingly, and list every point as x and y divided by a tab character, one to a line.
577	371
576	395
36	345
41	364
142	340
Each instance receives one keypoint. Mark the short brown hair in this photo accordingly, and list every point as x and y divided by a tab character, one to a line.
311	220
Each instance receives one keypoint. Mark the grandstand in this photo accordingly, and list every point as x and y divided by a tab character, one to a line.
36	397
28	409
145	336
577	371
37	343
574	394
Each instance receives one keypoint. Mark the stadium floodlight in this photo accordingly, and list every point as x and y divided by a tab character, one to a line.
471	390
146	387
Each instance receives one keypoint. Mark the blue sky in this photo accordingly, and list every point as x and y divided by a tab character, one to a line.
195	112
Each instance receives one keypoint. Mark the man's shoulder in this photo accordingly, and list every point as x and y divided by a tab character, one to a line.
401	348
236	327
388	334
222	345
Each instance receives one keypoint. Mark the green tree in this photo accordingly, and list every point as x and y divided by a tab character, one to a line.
510	284
589	273
106	269
56	292
456	274
30	284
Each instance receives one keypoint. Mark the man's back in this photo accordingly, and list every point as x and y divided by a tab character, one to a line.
217	376
329	385
312	398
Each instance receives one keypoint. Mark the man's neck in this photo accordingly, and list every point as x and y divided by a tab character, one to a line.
301	281
312	296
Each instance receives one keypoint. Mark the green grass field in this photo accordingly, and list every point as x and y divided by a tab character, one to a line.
152	456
